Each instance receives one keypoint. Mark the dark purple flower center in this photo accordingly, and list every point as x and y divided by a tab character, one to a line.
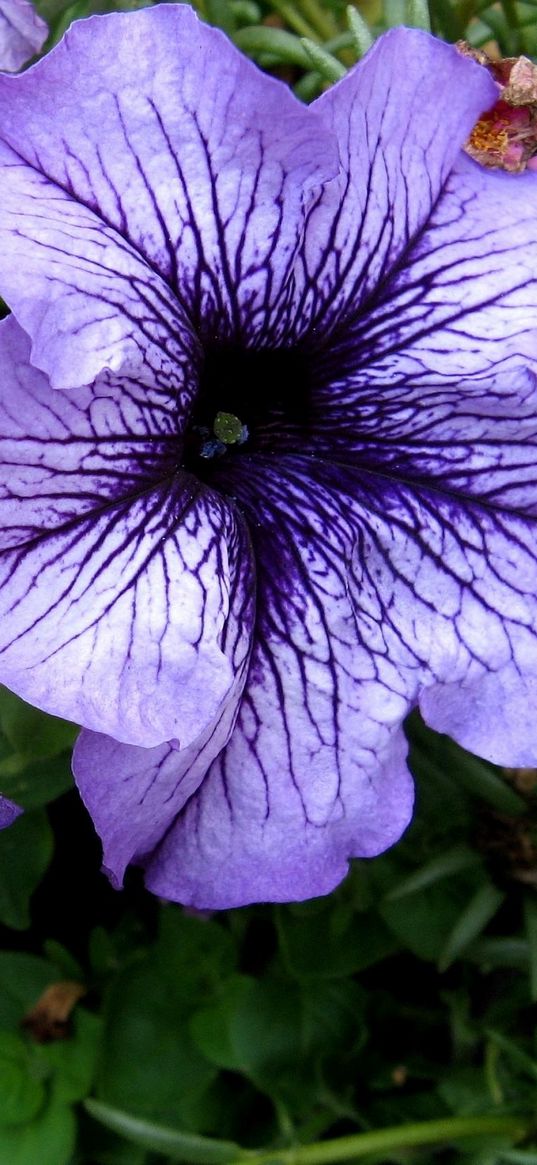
248	400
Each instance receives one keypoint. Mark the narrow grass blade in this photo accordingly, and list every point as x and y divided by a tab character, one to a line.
481	908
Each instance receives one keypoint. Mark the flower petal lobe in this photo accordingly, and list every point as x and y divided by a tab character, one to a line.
22	34
121	579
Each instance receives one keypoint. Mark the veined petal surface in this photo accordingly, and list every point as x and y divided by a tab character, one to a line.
22	34
88	300
372	597
144	158
400	119
124	585
145	789
476	438
463	301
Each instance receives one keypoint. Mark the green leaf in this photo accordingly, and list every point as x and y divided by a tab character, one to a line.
530	921
72	1061
33	784
482	780
482	907
147	1007
176	1145
432	751
247	11
22	1092
194	949
332	1016
423	920
451	862
359	942
23	979
394	12
327	65
516	1054
202	1151
25	852
465	1091
417	14
253	1027
98	1145
31	733
277	1033
283	46
47	1140
68	967
490	952
220	13
361	35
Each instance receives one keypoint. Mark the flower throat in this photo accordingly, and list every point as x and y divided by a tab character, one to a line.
248	400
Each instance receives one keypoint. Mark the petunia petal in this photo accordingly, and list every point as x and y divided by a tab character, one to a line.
87	299
122	581
400	119
445	591
315	768
145	160
464	302
22	34
474	438
135	794
8	812
372	597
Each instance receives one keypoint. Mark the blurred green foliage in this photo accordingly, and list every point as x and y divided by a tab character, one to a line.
311	42
407	997
337	1029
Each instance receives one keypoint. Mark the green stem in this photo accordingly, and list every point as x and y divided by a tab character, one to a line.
196	1150
446	1130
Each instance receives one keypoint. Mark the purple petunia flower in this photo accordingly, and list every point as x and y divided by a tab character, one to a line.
22	34
290	492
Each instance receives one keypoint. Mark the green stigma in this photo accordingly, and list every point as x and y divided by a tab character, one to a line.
228	429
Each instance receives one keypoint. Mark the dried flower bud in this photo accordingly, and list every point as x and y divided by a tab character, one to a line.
505	137
50	1018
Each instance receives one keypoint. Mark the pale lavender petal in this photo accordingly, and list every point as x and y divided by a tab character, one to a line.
464	302
400	119
372	598
245	836
135	794
22	34
8	812
315	771
445	591
471	438
176	165
121	579
88	301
